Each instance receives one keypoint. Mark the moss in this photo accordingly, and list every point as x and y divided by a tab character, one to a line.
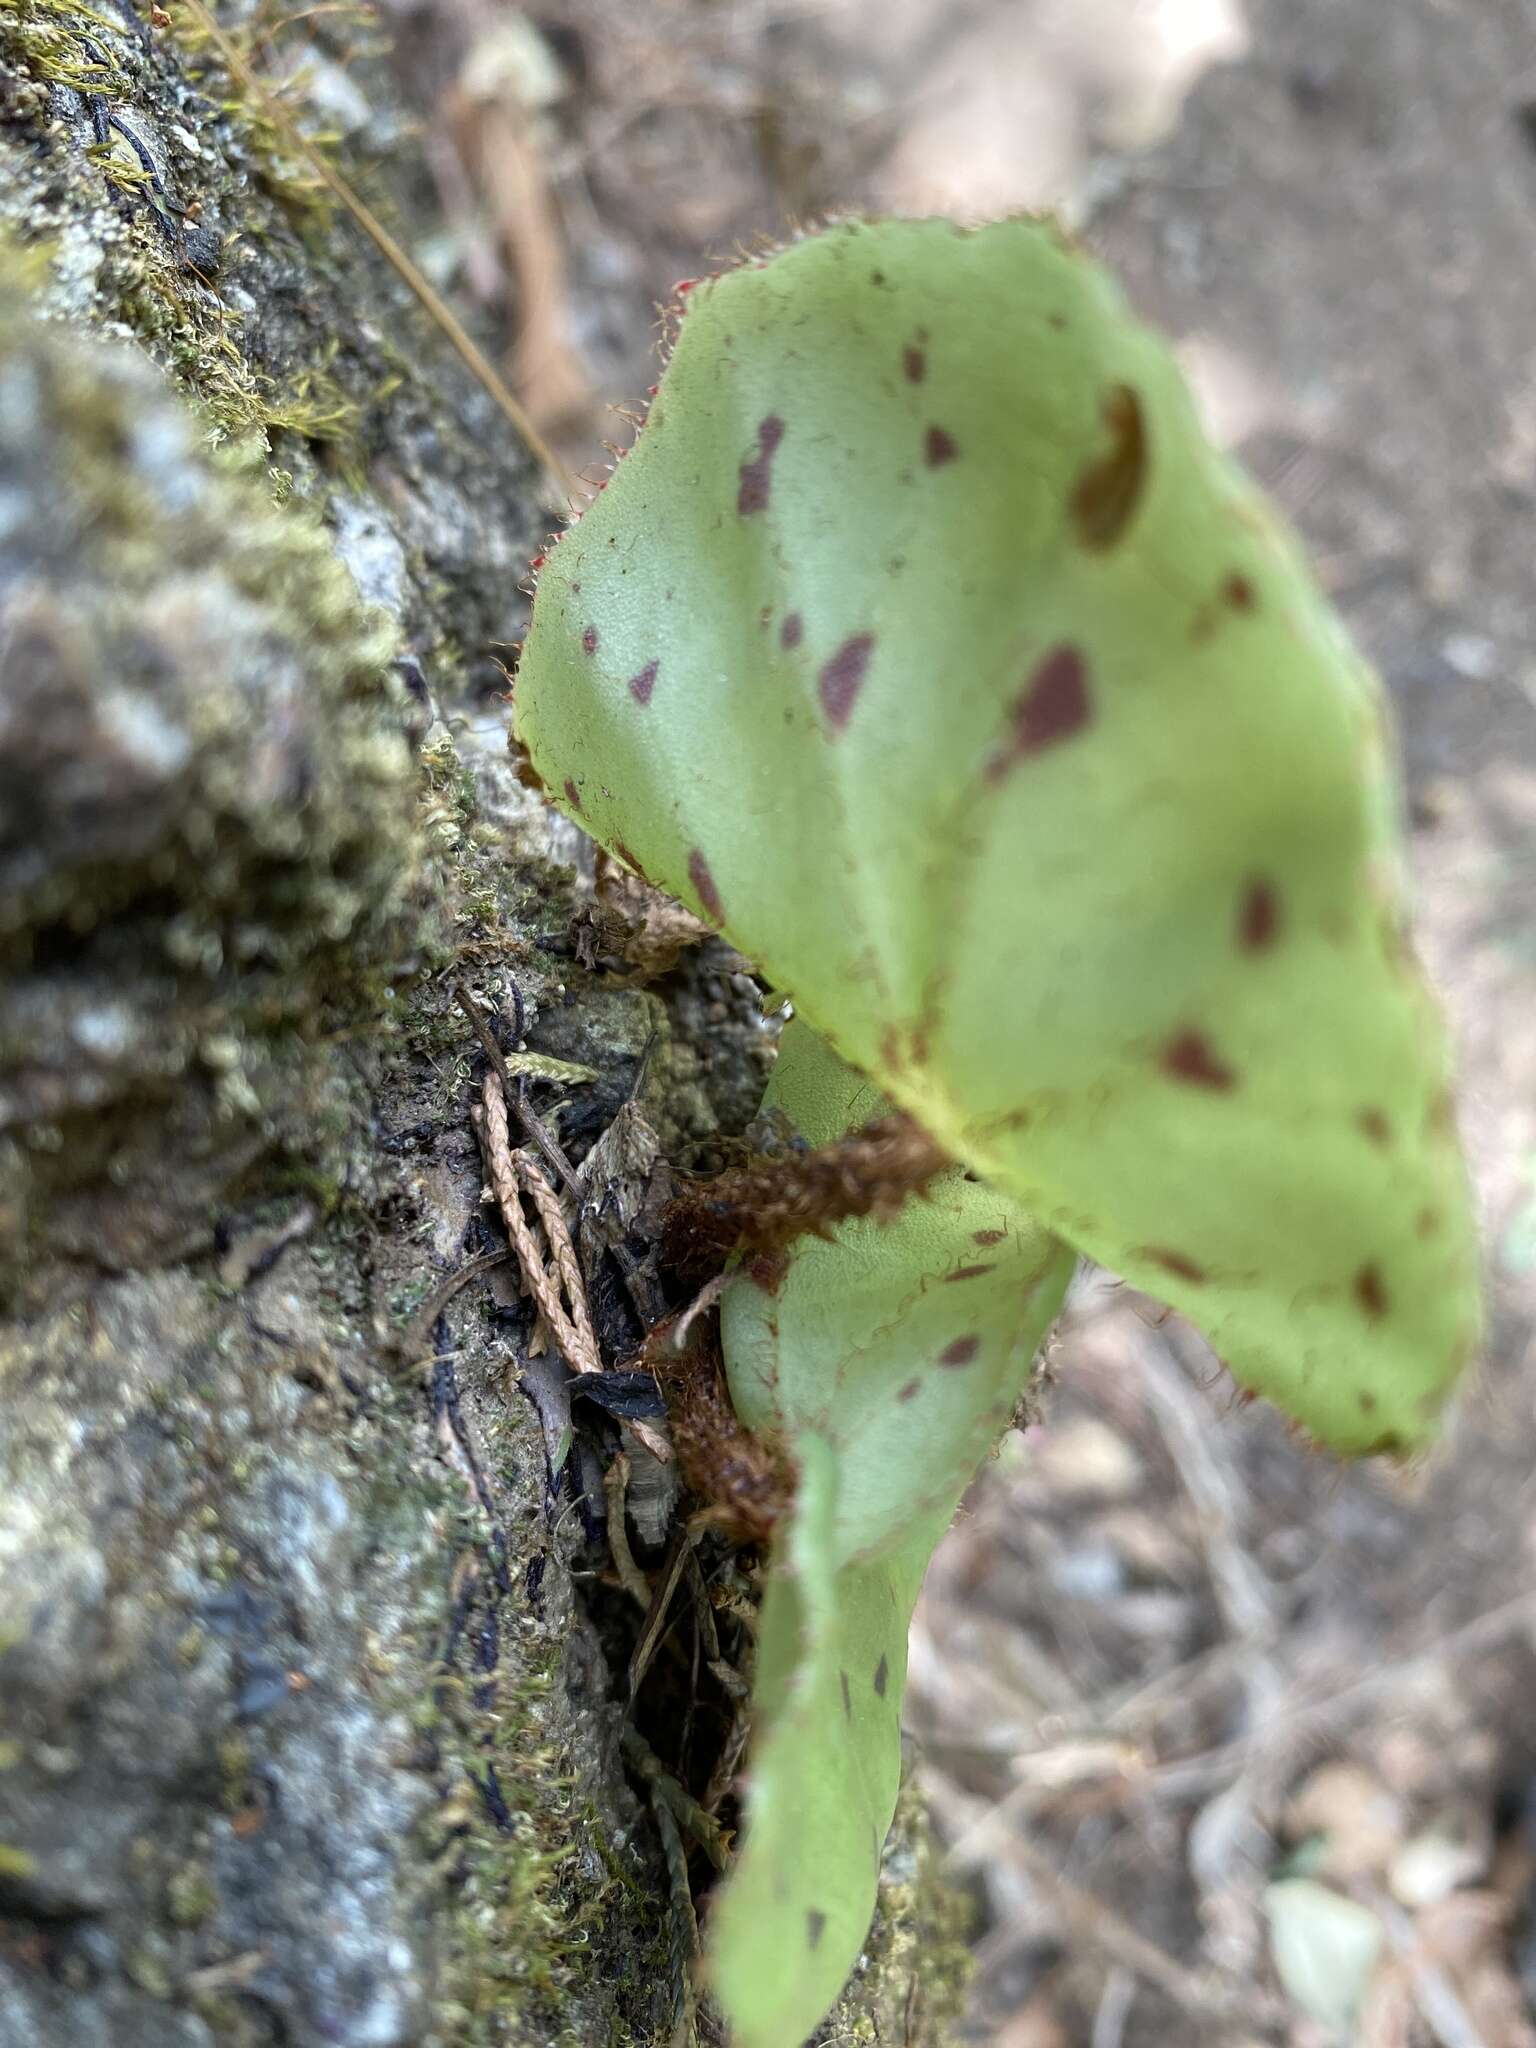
284	170
242	930
191	1895
912	1977
159	267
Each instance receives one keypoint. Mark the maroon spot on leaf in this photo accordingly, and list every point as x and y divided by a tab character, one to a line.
914	364
1056	320
1370	1292
1109	489
960	1353
910	1391
1189	1057
815	1925
1052	706
1239	593
641	685
842	1679
967	1272
1258	917
842	677
589	640
757	473
572	794
1176	1263
1374	1125
767	1270
988	1236
939	447
629	859
792	632
704	887
1367	1401
882	1676
1426	1223
1390	1444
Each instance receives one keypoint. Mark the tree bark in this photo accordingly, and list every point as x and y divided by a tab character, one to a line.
307	1733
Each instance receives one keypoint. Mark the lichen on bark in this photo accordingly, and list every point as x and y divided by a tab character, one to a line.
304	1733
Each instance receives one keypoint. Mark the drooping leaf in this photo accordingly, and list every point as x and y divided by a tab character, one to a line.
925	646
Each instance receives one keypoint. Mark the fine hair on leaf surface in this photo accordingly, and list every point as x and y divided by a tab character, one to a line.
925	648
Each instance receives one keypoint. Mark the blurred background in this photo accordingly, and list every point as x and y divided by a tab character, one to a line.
1227	1743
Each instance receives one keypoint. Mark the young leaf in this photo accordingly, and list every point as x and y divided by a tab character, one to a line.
888	1359
788	1922
924	646
904	1346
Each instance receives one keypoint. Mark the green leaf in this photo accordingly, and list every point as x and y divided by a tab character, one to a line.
1325	1947
789	1921
924	645
904	1346
889	1359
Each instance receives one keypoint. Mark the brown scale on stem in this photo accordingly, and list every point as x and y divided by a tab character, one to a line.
766	1204
747	1481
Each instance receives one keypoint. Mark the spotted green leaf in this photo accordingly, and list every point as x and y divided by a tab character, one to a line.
904	1346
888	1360
925	646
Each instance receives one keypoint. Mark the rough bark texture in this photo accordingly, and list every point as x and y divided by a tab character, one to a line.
306	1735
